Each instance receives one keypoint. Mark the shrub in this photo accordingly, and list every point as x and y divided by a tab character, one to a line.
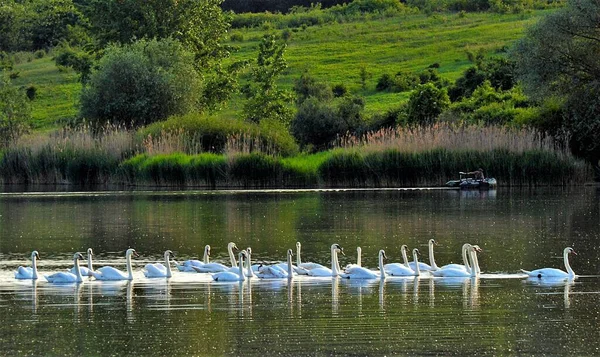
306	87
31	92
15	112
39	54
425	104
237	37
339	90
255	170
141	83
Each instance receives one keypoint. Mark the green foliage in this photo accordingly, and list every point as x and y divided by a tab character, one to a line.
264	99
199	25
307	86
499	71
255	170
558	57
79	60
425	104
141	83
15	112
210	134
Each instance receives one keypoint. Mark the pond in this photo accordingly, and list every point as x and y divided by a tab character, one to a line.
189	314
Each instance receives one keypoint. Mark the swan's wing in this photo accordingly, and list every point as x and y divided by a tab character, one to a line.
547	273
109	273
83	270
61	277
311	266
186	268
225	276
320	272
156	269
211	268
24	273
450	273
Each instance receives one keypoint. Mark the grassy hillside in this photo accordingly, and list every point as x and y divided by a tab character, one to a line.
334	53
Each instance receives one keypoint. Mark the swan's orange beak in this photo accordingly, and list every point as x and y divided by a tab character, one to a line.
574	252
135	254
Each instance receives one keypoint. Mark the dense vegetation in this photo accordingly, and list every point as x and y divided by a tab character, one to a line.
235	100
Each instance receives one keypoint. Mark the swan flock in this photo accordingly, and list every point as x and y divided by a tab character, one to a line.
242	268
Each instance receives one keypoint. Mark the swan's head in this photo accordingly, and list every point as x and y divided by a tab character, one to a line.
207	249
131	252
290	253
298	245
416	252
432	242
249	251
232	246
35	255
358	250
403	247
90	252
382	254
477	248
169	254
570	250
78	256
337	248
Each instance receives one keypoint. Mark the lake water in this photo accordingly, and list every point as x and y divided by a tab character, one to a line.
189	314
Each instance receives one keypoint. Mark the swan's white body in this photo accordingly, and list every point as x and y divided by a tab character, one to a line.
275	271
397	269
553	272
218	267
86	271
29	272
461	271
187	266
158	270
67	277
305	267
335	267
357	272
110	273
231	276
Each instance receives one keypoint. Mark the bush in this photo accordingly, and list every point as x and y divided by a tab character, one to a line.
425	104
138	84
307	87
339	90
31	92
15	112
39	54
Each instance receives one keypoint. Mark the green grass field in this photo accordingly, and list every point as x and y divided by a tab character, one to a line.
333	53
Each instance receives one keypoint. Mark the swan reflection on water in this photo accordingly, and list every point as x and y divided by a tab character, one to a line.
551	283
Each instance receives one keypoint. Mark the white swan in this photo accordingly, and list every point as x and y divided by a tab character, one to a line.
358	259
158	270
275	271
110	273
306	266
29	272
553	272
86	271
432	264
356	272
231	276
187	265
422	266
397	269
465	257
461	272
67	277
335	266
218	267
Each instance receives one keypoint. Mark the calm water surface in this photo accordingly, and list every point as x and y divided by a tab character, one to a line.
497	314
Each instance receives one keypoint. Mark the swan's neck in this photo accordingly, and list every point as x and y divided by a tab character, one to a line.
205	258
432	258
381	269
417	268
34	267
231	256
89	262
404	257
250	272
77	271
334	263
168	263
474	263
465	257
567	264
298	260
358	256
128	264
289	265
241	272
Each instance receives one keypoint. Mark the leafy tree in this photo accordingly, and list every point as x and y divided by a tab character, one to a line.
307	86
141	83
425	104
264	99
51	21
15	111
558	57
11	25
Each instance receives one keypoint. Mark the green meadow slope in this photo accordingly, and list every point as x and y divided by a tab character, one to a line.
334	53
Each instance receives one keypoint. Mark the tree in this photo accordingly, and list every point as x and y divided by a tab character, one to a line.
15	111
141	83
426	103
559	57
264	99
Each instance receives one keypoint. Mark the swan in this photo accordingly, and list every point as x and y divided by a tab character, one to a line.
187	265
29	272
465	257
422	266
230	276
357	272
335	266
86	271
275	271
397	269
110	273
358	259
250	268
218	267
67	277
553	272
432	264
462	272
157	270
307	265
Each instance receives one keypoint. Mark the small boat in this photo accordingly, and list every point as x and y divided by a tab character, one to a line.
471	183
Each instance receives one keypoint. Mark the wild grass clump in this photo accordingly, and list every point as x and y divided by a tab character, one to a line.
194	133
68	156
255	170
303	170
